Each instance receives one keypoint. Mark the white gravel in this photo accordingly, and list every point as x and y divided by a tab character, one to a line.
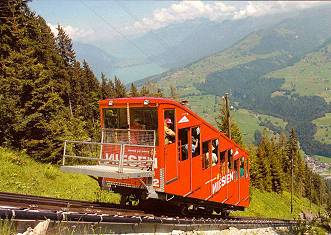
233	231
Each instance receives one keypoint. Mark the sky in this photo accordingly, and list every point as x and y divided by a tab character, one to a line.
104	20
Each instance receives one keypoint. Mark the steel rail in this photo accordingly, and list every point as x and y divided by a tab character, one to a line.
105	218
129	217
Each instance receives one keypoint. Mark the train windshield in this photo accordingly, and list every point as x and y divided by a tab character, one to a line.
137	118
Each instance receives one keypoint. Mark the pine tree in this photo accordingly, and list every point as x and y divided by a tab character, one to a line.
64	44
276	167
133	91
284	160
119	88
264	151
144	91
254	169
107	87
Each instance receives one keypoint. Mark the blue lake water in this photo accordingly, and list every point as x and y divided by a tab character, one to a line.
137	72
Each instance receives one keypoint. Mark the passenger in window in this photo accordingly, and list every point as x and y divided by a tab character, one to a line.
213	156
137	137
242	170
195	144
169	134
137	124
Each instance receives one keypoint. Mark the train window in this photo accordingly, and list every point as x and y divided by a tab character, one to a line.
115	118
147	118
169	126
214	153
195	141
230	158
205	155
183	144
242	167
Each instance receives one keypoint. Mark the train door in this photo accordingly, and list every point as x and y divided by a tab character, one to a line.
244	179
236	195
184	157
206	168
196	157
231	186
170	153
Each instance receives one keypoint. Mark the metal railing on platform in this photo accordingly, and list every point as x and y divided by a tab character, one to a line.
117	148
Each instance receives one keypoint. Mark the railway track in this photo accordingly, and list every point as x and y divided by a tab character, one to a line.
27	207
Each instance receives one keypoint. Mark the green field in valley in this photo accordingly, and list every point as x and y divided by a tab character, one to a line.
323	159
310	76
207	106
323	125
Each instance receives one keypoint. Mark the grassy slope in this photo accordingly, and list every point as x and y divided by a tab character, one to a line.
186	78
323	125
21	174
273	205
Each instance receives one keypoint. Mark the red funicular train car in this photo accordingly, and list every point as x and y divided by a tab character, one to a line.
158	148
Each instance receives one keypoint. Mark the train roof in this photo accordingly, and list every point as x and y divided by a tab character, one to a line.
160	100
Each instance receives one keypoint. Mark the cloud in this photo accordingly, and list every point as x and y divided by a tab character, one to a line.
188	10
73	32
254	9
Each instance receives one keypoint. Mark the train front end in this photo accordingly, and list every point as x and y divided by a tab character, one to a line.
125	159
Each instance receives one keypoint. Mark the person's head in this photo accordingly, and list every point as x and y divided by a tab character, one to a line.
168	122
137	123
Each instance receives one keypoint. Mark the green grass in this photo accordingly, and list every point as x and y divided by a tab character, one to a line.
323	159
310	76
249	122
21	174
273	205
323	133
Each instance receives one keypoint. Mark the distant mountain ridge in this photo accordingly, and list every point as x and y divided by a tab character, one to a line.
171	46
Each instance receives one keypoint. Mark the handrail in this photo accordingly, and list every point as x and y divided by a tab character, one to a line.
122	149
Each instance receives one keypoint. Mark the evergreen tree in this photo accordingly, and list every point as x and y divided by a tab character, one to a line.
107	87
64	44
276	167
119	88
144	91
296	162
133	91
264	152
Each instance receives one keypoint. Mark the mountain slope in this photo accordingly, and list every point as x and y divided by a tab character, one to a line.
245	71
99	60
210	37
